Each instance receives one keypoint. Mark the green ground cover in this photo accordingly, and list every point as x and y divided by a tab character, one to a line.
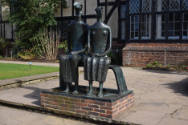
8	71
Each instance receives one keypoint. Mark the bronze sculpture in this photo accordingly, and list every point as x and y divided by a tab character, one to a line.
96	64
77	35
98	41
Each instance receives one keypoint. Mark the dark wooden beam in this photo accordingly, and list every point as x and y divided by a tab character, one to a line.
117	3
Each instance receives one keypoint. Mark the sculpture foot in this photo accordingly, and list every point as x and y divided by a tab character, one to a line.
100	95
66	91
100	90
75	92
90	94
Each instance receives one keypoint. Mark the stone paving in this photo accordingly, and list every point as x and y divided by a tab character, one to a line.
161	97
11	116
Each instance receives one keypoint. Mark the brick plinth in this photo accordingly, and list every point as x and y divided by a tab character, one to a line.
80	106
140	54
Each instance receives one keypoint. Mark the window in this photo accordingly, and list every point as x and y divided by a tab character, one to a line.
184	4
170	22
174	26
134	6
145	24
158	19
185	26
146	5
140	19
174	5
134	29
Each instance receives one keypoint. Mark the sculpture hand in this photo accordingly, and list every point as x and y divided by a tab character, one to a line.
78	52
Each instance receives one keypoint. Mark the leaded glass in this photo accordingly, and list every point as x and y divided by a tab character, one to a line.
145	26
134	27
134	6
185	26
164	5
174	26
146	5
174	4
185	4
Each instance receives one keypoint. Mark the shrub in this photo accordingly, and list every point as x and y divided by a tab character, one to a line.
26	55
31	17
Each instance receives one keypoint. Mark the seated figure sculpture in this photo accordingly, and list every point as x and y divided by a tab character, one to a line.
97	62
77	40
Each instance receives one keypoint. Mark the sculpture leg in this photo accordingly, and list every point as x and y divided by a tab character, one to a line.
76	83
67	88
100	89
90	93
65	73
74	65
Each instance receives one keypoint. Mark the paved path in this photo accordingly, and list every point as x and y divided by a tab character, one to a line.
161	97
10	116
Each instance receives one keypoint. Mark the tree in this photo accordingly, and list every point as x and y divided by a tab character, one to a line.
31	18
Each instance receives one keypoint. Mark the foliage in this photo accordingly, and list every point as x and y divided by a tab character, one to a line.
26	55
180	67
32	17
17	70
46	45
63	45
157	66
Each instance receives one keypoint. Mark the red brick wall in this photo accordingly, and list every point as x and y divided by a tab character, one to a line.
88	108
140	54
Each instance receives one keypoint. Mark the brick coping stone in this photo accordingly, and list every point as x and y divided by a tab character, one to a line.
95	108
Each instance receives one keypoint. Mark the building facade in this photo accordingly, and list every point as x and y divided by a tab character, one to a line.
143	31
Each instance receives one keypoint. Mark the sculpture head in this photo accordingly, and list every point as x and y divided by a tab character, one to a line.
99	13
78	8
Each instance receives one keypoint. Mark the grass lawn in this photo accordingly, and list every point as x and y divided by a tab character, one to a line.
8	71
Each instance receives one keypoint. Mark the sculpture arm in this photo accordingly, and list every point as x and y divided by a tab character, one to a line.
69	43
86	39
78	52
109	44
89	41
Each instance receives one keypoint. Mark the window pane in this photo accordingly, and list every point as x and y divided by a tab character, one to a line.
185	26
164	5
185	4
146	5
134	27
134	6
174	26
145	26
174	5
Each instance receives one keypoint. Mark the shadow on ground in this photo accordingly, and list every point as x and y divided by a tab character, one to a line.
34	95
179	87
